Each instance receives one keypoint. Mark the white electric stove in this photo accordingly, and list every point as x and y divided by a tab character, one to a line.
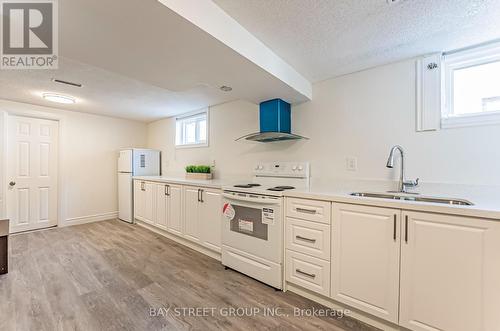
253	225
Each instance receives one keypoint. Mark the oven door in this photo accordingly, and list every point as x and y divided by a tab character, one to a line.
253	224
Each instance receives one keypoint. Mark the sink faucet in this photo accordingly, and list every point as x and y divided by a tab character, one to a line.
403	184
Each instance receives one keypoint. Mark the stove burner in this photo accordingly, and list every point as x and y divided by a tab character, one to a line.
246	185
280	188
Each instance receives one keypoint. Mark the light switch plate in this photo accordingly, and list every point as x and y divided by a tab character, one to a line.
351	163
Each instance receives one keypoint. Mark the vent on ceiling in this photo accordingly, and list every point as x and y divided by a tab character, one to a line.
55	80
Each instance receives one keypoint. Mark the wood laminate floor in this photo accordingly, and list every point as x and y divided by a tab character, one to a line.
109	275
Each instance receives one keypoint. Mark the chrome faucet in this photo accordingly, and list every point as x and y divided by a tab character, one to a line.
403	184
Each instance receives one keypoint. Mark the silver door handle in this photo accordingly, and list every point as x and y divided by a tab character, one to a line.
201	196
406	228
305	273
395	227
305	210
306	239
12	184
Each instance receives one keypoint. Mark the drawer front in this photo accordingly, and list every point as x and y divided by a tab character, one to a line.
308	238
311	210
309	272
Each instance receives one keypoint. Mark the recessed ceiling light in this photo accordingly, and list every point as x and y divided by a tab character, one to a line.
58	98
226	88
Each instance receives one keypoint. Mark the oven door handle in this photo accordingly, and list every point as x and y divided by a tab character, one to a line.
266	201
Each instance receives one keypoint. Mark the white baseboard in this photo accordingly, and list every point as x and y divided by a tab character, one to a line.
89	219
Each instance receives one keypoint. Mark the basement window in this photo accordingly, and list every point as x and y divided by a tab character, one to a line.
192	130
471	94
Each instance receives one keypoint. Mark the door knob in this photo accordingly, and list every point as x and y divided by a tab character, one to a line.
12	183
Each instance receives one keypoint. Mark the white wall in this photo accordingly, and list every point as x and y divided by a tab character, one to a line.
361	115
88	150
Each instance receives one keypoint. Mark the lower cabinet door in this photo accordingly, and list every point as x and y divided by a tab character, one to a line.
150	202
139	200
210	219
161	205
191	211
450	273
365	259
174	209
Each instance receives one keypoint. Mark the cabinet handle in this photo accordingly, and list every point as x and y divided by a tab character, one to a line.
406	228
395	226
142	186
167	190
201	196
305	273
305	210
306	239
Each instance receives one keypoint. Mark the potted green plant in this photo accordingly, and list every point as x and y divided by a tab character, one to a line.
198	172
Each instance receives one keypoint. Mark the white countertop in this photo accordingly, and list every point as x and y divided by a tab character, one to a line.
486	199
212	183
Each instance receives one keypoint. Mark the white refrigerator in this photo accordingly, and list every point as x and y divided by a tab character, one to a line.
133	162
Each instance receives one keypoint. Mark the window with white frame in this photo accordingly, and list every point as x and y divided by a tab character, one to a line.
192	130
471	82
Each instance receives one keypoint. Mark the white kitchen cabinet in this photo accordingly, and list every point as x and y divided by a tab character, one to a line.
149	202
307	271
191	213
309	238
162	202
145	201
311	210
450	273
202	216
139	199
210	219
169	207
365	259
174	209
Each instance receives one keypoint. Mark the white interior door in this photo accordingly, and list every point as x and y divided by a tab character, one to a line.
32	154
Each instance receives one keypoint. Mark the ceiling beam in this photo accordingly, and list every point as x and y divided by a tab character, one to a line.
209	17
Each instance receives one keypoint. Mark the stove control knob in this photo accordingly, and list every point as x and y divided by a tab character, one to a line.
300	168
259	167
294	168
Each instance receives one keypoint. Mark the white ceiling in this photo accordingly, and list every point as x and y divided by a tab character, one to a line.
103	92
142	61
326	38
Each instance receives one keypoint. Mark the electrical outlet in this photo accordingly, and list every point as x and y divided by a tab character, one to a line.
351	163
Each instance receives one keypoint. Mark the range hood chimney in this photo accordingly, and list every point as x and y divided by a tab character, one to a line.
275	123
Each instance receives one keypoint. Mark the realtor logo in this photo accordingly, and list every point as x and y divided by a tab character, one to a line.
29	34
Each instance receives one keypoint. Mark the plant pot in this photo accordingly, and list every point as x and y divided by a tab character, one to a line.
195	175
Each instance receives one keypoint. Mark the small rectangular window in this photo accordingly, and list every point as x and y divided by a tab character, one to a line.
472	87
192	130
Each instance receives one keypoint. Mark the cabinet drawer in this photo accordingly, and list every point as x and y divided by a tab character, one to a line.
308	238
311	210
309	272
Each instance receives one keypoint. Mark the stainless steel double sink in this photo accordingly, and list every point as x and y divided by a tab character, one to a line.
390	196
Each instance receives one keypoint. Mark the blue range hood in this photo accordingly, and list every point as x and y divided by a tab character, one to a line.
275	123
